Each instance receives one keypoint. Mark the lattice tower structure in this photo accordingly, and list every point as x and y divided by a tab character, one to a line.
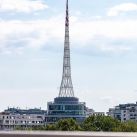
66	87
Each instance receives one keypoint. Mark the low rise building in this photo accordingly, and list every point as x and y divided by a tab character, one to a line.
124	112
91	112
99	113
12	118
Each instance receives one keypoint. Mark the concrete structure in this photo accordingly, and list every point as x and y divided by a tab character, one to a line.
64	134
66	105
124	112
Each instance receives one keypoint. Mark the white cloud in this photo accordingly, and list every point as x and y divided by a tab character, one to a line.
125	7
26	6
106	28
100	34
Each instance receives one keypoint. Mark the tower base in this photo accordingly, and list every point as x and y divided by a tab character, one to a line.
65	107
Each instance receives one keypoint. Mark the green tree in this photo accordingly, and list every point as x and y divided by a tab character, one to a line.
67	125
129	126
51	127
100	123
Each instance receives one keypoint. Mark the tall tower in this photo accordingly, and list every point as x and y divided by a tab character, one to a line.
66	105
66	87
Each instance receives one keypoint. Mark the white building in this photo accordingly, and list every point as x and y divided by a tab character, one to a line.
124	112
99	114
8	120
89	112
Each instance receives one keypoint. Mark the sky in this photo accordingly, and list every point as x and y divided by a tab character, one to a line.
103	37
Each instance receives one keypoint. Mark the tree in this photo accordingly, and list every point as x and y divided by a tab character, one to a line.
67	125
51	127
129	126
100	123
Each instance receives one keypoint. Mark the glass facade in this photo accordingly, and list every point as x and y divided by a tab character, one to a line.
65	107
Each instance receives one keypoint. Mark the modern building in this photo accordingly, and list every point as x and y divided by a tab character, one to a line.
12	121
66	105
124	112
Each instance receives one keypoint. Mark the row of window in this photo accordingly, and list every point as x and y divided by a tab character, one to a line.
65	107
66	112
23	122
20	117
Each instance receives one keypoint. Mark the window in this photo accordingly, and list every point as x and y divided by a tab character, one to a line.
7	121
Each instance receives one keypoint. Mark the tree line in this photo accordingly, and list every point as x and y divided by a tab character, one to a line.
92	123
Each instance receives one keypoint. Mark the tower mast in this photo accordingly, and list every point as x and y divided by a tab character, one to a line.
59	108
66	87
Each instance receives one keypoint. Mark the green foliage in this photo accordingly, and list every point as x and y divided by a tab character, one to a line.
100	123
38	128
106	123
51	127
129	126
18	128
67	125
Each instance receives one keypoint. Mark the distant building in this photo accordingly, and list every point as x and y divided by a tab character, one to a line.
99	114
91	112
25	111
12	121
124	112
14	117
63	108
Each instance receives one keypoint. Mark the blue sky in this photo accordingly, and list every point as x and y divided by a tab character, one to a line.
103	37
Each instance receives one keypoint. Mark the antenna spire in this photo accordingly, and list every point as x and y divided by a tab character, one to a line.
66	87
